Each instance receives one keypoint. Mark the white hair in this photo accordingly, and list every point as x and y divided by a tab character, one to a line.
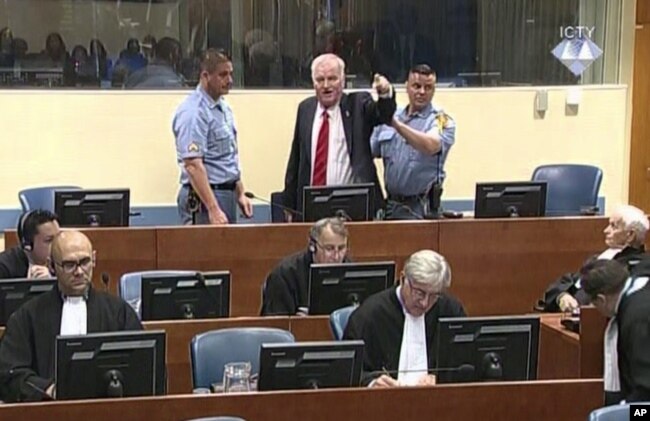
323	58
634	219
428	267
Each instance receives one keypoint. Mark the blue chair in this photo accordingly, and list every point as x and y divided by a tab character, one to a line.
40	197
339	320
612	413
572	188
210	351
130	286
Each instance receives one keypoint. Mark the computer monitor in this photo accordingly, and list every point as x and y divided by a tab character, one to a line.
195	296
336	285
16	292
310	365
95	208
112	364
510	199
473	349
354	201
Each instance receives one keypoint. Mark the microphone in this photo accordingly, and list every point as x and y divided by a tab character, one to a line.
252	195
105	280
341	214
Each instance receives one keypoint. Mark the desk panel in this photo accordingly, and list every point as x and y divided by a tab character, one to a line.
503	266
532	401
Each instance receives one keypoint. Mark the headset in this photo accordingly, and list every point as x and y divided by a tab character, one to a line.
25	237
312	244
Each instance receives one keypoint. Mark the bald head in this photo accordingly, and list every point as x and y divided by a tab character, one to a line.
67	240
73	259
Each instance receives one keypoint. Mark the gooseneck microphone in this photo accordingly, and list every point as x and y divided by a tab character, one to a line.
106	279
463	369
252	195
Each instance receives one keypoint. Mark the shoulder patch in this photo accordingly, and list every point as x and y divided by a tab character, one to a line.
442	121
193	147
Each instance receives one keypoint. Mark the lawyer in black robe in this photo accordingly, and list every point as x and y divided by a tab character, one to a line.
28	345
379	322
13	263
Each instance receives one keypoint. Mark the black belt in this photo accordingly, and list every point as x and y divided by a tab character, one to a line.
232	185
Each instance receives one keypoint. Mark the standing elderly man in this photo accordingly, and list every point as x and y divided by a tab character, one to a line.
624	236
72	308
286	289
414	149
206	149
399	325
331	140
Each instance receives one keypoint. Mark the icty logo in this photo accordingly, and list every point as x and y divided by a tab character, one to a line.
576	50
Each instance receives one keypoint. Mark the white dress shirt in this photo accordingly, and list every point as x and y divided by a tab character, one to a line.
413	358
74	316
339	169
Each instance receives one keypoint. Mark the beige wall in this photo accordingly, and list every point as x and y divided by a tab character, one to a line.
115	139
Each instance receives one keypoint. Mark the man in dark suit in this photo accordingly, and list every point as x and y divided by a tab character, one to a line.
331	141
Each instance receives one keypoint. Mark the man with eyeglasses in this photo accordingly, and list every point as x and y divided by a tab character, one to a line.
286	287
399	325
73	307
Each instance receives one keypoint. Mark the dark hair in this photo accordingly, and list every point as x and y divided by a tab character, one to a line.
603	277
211	58
168	49
29	222
422	69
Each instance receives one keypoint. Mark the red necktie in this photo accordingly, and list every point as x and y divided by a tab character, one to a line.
320	162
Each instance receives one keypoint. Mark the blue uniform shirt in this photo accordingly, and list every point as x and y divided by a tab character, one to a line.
206	128
407	171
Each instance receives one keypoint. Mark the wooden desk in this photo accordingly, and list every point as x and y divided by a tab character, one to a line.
532	401
251	252
503	266
499	266
564	354
181	332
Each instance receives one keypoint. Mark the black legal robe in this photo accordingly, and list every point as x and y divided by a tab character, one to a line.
28	345
379	322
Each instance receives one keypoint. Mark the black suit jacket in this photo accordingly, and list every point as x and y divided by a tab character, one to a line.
360	115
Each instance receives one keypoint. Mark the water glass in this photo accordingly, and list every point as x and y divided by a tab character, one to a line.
237	377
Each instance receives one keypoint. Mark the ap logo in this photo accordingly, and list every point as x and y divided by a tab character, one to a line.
576	50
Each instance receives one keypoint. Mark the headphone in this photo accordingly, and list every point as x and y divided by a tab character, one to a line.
26	238
312	244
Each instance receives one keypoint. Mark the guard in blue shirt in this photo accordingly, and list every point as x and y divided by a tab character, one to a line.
206	149
414	149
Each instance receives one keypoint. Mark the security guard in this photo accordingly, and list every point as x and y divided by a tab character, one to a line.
414	149
206	149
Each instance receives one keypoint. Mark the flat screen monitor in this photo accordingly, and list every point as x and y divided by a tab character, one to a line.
474	349
16	292
310	365
354	202
95	208
336	285
113	364
510	199
195	296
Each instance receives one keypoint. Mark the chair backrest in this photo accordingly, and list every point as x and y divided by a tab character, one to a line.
570	187
40	197
339	320
130	286
210	351
277	214
612	413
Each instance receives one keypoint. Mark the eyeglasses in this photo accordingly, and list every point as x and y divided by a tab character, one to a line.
332	249
419	294
69	266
